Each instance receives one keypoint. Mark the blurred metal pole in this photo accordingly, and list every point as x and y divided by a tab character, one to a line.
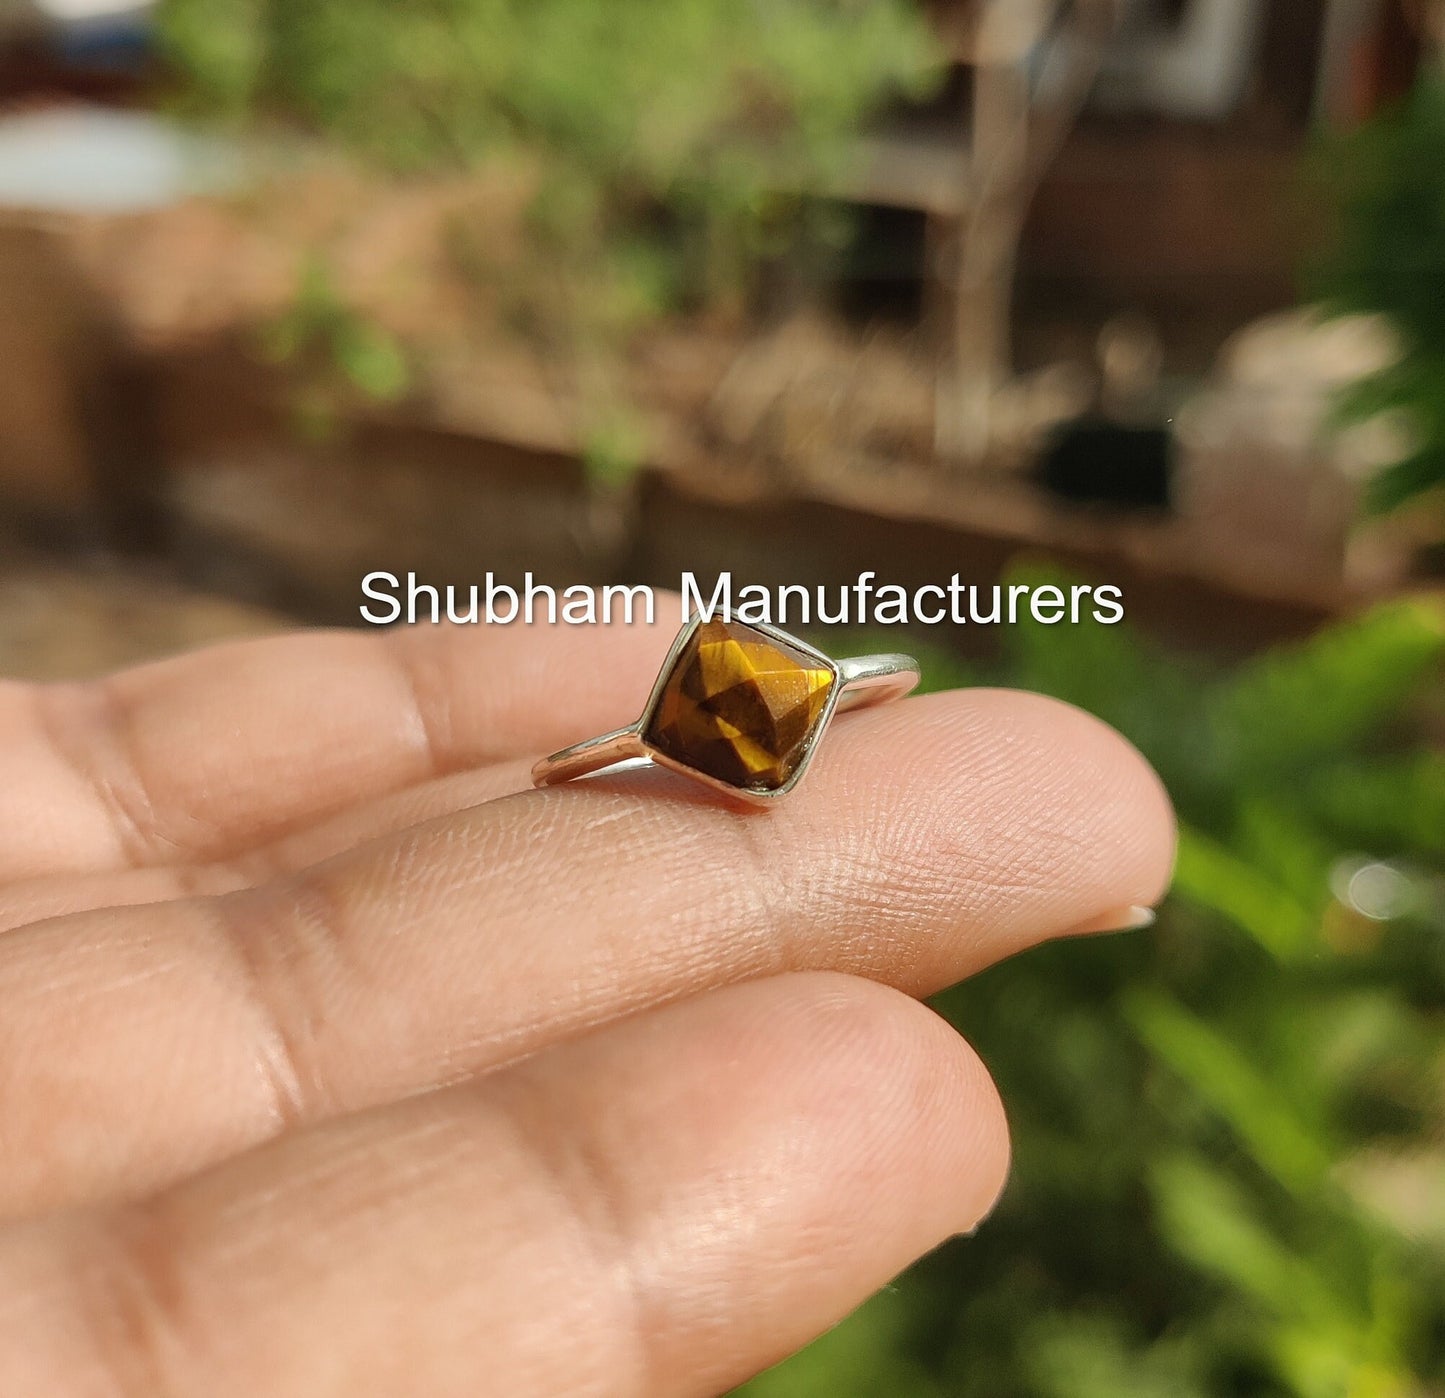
1023	110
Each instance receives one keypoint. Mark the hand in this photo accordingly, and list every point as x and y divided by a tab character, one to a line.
333	1061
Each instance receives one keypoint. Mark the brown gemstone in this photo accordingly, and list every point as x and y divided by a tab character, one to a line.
740	707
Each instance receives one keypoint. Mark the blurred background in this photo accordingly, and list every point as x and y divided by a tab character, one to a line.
1147	292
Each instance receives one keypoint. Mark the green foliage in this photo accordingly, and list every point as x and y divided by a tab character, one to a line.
1397	802
334	351
1293	1150
664	96
1387	183
1200	1112
668	144
1098	1356
874	1357
1277	716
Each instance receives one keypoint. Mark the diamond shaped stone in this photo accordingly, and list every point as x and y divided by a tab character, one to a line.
740	706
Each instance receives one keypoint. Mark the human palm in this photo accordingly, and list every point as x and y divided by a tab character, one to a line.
335	1061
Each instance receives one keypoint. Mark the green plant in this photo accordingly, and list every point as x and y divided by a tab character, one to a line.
1386	182
667	145
1209	1117
334	351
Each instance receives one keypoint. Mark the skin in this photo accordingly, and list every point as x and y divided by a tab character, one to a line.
333	1060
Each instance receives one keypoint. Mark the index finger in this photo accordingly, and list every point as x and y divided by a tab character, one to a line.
214	752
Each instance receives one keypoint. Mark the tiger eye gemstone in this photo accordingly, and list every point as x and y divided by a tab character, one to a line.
740	706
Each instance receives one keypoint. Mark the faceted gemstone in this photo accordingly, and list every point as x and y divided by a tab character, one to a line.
740	706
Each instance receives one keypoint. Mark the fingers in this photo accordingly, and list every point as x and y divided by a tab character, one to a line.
663	1208
196	757
34	900
932	838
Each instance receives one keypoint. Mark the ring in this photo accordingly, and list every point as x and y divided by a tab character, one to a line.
739	708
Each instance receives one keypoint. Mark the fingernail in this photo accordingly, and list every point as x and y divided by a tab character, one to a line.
970	1230
1134	918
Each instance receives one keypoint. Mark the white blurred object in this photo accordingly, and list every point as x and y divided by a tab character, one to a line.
39	15
1260	469
79	11
1379	891
1300	351
1131	360
1198	69
95	160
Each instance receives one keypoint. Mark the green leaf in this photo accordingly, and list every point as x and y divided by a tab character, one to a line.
1391	805
1297	705
221	45
1417	475
1095	1356
1259	1113
1212	876
1383	184
616	446
1209	1220
372	360
1285	845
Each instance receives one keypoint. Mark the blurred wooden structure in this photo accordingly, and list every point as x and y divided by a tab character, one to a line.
1021	70
76	446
